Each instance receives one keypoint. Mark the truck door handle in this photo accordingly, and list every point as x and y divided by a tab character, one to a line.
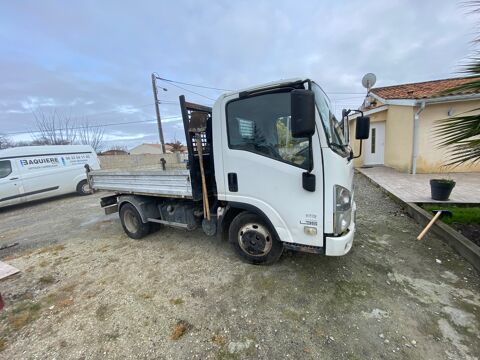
232	182
14	178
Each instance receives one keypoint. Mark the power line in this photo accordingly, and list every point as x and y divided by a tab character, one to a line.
195	85
222	89
95	126
193	92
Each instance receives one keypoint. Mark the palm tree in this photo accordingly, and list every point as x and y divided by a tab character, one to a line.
461	133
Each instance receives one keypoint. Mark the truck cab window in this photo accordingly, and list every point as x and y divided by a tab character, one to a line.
261	124
5	168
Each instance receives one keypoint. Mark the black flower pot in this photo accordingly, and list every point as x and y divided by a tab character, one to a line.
441	189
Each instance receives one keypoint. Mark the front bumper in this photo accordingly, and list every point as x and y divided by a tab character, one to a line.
341	245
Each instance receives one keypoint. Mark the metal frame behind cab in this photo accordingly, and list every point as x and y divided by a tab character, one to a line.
207	148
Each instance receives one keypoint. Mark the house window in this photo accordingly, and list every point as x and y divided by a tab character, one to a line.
373	141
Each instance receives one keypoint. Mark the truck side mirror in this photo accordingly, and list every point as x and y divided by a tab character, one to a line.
362	129
303	113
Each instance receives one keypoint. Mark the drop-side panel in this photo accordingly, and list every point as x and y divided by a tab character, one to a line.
171	183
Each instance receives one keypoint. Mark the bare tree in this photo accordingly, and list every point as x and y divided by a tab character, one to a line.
118	147
60	129
53	129
176	145
5	142
91	135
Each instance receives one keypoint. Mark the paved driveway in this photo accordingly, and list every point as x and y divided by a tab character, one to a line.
86	291
416	188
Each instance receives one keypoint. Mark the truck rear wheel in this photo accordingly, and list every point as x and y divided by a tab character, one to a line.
83	188
132	222
253	240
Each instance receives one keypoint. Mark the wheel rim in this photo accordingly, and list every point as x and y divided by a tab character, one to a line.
85	188
131	221
255	239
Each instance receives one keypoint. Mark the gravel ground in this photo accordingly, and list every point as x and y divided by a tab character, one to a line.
86	291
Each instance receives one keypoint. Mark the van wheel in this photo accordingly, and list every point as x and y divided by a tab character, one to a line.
253	240
132	222
83	188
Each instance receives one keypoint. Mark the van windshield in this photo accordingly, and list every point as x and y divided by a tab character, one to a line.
333	128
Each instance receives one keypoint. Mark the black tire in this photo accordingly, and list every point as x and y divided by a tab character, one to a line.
254	240
83	188
132	222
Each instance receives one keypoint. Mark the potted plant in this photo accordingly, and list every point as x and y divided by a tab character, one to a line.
441	188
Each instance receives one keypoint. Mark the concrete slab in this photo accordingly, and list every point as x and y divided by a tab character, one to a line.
416	188
7	270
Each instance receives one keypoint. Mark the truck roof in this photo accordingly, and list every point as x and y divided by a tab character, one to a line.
265	85
44	150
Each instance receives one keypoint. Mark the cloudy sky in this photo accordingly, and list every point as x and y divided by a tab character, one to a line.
93	59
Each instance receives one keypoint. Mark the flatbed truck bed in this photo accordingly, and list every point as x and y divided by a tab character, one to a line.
162	183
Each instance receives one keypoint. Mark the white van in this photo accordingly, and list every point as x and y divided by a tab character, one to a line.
36	172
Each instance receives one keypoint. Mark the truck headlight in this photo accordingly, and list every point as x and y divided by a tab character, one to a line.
343	209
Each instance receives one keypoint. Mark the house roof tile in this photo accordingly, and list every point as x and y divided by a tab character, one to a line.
424	90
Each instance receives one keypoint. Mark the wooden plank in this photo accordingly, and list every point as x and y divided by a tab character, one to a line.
7	270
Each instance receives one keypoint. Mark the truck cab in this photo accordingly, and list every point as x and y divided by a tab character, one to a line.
262	166
270	169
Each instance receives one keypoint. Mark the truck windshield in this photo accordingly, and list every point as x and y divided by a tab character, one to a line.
333	128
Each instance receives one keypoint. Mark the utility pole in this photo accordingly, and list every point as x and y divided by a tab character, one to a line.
157	110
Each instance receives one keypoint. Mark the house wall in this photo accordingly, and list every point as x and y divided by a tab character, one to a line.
431	158
398	137
146	149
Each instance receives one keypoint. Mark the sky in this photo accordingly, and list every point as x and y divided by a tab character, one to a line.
92	60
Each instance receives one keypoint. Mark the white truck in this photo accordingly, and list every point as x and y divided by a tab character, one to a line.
36	172
269	168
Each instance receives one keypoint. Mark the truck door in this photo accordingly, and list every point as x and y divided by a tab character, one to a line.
11	189
263	166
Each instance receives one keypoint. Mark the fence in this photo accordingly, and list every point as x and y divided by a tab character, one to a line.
173	161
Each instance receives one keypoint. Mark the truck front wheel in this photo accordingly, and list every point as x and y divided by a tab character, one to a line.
254	240
132	222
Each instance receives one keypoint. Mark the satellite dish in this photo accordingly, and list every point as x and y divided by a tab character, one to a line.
369	80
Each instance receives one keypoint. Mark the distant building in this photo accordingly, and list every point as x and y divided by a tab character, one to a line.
147	149
114	152
156	149
393	110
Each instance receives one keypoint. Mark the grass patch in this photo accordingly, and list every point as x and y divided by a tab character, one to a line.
3	344
220	340
112	336
61	298
461	215
102	312
63	303
177	301
51	249
23	314
44	263
104	248
46	280
180	328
